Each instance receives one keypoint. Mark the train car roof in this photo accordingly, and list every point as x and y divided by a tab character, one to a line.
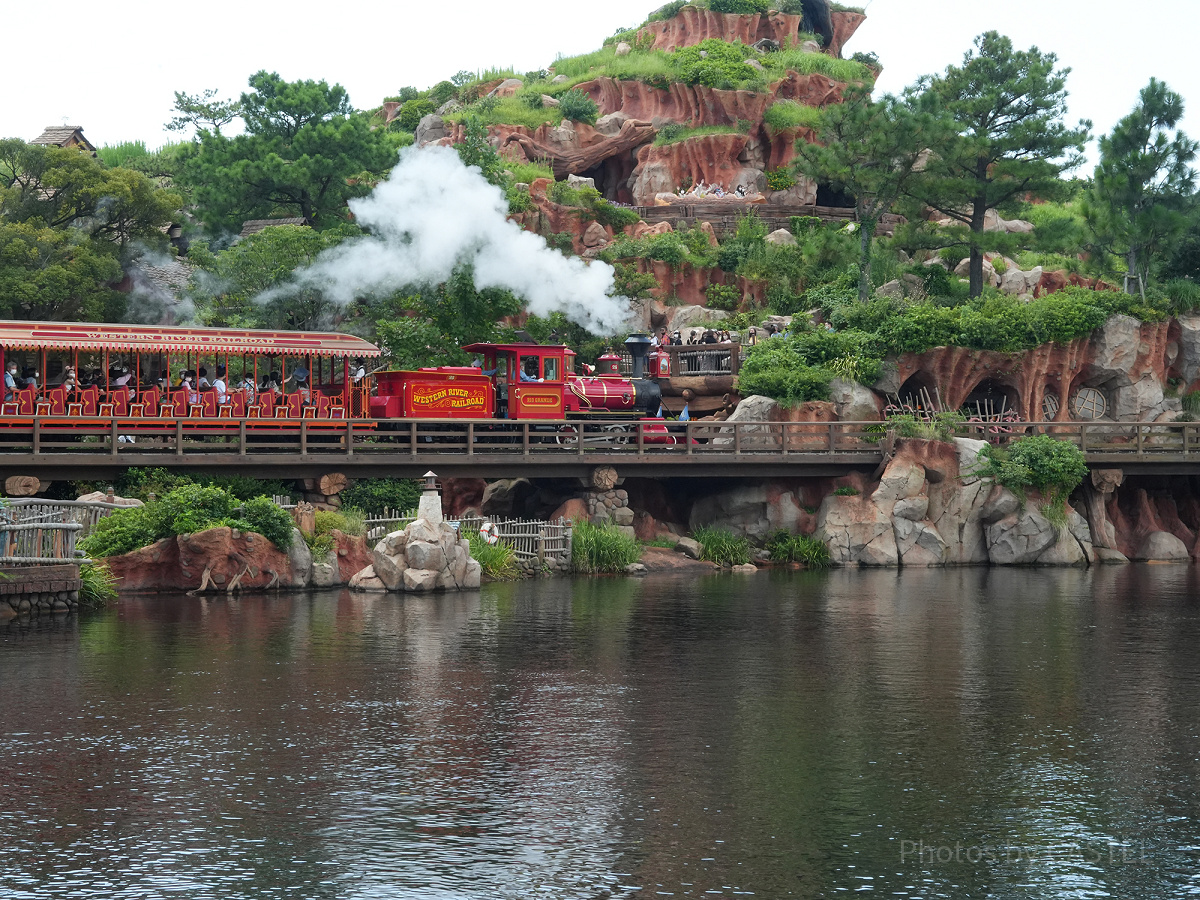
518	348
170	339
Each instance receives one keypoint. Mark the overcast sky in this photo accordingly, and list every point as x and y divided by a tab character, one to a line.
113	67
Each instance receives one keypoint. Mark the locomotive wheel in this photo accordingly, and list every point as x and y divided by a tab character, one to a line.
567	436
619	435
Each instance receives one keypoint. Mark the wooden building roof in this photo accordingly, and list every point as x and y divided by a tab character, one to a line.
64	136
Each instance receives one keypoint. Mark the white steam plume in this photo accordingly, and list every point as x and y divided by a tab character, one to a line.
434	214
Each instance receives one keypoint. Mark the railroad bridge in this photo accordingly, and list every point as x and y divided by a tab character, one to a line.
54	449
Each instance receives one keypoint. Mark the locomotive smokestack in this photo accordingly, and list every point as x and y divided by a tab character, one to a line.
639	347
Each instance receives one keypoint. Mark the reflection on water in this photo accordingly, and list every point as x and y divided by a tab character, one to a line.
971	733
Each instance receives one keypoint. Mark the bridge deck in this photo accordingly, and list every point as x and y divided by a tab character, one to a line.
52	448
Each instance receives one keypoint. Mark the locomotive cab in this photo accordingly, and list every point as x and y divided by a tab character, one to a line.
528	378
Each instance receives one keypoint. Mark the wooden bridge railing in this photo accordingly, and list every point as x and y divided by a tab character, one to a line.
233	442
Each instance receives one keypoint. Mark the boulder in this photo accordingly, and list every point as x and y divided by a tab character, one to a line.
636	569
559	79
755	64
688	547
610	125
507	88
903	479
418	581
573	510
854	402
325	571
424	555
549	102
595	235
1021	538
918	543
104	497
300	559
963	270
1108	557
857	531
744	569
623	48
389	565
913	509
1138	402
1162	546
366	581
578	181
499	496
781	237
430	130
1115	351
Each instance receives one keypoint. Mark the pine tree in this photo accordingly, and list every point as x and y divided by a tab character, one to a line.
1144	186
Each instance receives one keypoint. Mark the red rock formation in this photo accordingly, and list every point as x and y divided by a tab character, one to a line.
688	283
693	25
249	561
461	494
353	555
845	24
1062	368
695	104
712	158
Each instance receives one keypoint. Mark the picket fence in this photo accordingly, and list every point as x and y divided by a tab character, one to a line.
529	538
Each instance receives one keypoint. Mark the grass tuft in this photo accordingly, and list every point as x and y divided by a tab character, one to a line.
602	548
722	547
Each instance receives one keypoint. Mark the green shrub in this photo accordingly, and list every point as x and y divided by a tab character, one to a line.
1050	466
412	112
723	296
98	585
808	551
375	495
743	7
122	532
1191	402
269	520
601	548
578	107
667	11
186	510
614	216
722	66
942	427
499	560
780	180
785	114
673	133
845	491
722	547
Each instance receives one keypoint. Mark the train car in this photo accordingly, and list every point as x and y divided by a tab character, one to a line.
79	370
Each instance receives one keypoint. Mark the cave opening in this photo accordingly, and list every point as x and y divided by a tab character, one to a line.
612	178
991	399
834	198
919	394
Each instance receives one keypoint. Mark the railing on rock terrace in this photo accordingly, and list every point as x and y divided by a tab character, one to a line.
697	359
531	539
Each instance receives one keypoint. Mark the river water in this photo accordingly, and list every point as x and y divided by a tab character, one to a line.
969	733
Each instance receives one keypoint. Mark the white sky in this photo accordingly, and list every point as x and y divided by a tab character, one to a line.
113	67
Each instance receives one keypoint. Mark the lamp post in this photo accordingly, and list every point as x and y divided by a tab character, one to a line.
430	507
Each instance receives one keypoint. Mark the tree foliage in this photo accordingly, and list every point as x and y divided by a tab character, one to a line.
228	287
302	150
438	321
68	223
1011	141
872	150
1144	186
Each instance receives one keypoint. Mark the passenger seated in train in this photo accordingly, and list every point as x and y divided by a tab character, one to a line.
10	382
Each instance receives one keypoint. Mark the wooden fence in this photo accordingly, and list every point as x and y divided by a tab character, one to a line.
529	538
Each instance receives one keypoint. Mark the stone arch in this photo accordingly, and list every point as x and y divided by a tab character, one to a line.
991	397
919	386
